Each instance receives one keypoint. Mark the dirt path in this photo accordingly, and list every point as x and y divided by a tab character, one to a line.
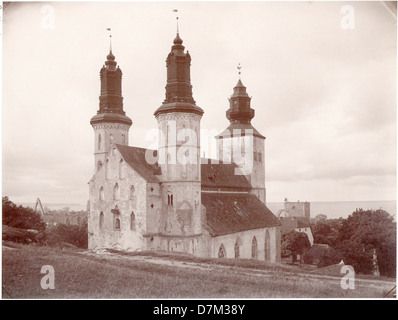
275	275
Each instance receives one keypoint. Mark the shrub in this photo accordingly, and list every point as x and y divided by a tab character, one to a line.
75	235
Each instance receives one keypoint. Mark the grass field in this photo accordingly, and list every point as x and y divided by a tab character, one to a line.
81	274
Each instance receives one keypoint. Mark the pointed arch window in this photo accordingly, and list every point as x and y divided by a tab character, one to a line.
221	252
132	192
237	254
267	247
132	221
117	222
101	221
254	248
99	165
116	192
107	168
121	169
169	199
101	194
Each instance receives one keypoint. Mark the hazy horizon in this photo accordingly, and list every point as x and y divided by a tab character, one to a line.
324	94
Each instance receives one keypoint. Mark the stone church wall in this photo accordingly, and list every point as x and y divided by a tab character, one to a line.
126	202
266	250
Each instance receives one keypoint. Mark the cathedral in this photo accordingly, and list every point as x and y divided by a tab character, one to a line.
171	199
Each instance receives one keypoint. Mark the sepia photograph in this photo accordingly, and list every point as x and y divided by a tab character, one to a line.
218	151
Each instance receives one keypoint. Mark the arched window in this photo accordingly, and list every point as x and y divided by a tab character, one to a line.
116	193
117	222
132	192
254	248
255	155
107	168
99	142
260	156
101	221
236	250
132	221
121	169
170	199
101	194
111	138
267	248
123	139
99	165
221	252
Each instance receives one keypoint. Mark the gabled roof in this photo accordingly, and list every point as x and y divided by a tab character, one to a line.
233	212
240	127
222	175
135	157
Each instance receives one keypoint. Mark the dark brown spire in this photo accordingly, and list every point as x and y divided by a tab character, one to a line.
239	106
111	99
178	88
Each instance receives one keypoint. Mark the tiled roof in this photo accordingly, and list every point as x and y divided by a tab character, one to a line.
222	176
135	157
233	212
214	176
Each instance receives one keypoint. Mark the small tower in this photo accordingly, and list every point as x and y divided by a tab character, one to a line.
179	148
241	143
111	125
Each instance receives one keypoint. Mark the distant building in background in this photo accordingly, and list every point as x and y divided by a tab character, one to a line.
62	216
296	216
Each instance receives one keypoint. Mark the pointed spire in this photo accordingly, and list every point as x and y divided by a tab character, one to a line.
111	99
239	110
179	96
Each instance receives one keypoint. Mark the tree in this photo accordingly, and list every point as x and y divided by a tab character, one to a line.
319	218
362	233
21	217
294	243
324	234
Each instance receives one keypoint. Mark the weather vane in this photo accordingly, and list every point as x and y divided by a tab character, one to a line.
110	38
176	11
239	67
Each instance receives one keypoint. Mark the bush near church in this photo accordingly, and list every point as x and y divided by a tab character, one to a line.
24	225
355	240
20	217
295	243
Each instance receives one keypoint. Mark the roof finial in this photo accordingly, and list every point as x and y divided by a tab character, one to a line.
176	11
110	39
239	67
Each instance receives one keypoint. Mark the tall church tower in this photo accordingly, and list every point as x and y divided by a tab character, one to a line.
111	125
179	148
241	143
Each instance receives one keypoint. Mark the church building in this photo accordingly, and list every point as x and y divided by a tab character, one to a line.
171	199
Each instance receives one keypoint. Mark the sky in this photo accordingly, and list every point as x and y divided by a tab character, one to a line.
322	81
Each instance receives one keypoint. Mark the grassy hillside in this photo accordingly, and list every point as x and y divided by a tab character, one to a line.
79	274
